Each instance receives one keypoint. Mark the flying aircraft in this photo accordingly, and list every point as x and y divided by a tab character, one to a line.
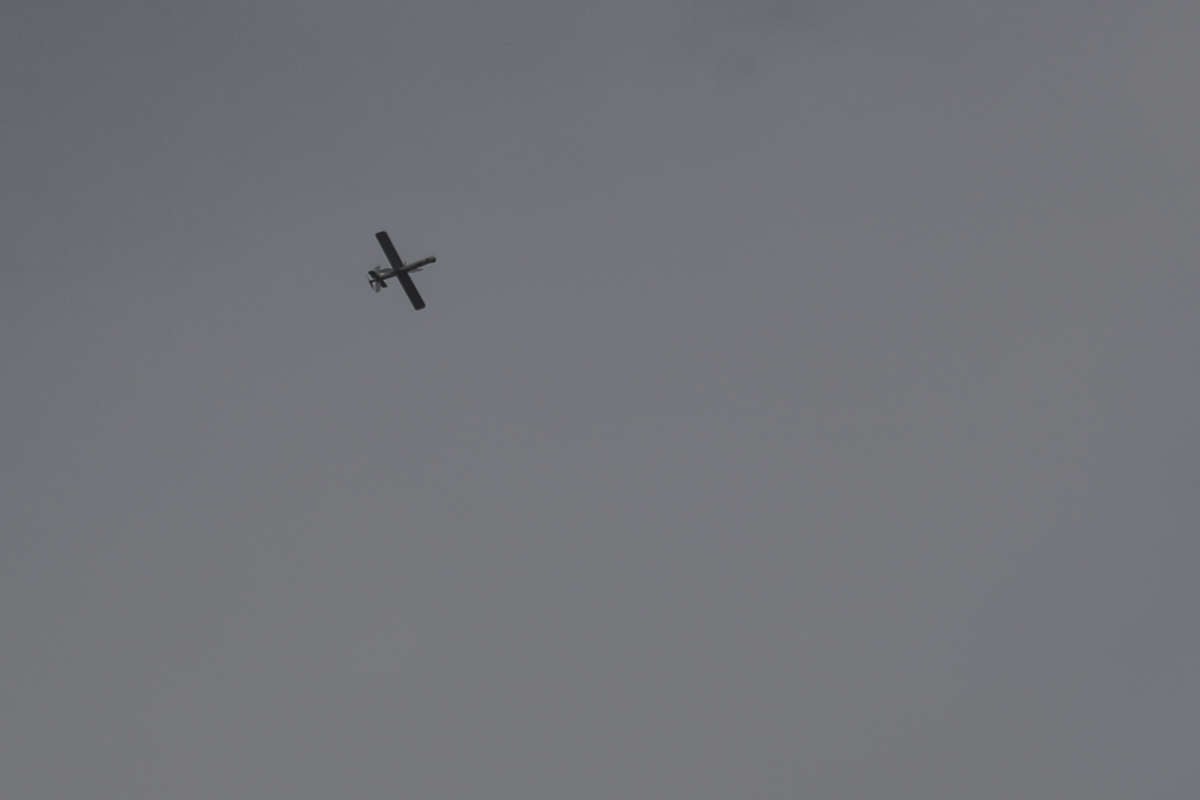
399	270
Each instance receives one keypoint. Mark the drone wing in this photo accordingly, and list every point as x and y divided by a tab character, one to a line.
393	258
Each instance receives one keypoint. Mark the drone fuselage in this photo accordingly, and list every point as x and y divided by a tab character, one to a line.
415	266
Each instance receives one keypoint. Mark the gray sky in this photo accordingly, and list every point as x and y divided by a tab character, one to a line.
805	406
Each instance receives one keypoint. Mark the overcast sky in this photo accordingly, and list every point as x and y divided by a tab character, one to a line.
805	407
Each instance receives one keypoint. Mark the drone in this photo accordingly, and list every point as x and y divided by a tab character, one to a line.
398	270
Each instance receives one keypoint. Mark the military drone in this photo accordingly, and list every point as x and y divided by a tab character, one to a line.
399	270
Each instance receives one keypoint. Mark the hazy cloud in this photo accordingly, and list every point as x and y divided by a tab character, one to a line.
804	405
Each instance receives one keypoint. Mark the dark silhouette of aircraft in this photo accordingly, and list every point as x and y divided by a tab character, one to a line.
399	270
